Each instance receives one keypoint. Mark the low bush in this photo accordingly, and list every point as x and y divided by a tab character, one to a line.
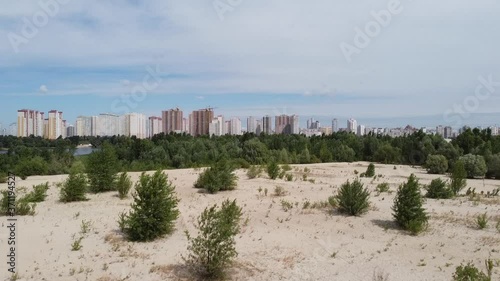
352	198
38	194
469	272
219	177
254	172
437	189
273	170
74	188
279	191
382	187
436	164
482	221
9	206
370	171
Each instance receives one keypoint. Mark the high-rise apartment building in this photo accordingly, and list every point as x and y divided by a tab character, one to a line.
285	124
108	125
440	130
135	125
361	130
313	124
448	132
352	126
54	126
235	126
251	125
335	125
172	121
70	131
258	127
199	121
267	125
85	126
217	126
155	126
29	122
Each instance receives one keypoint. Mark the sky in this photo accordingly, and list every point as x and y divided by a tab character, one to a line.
385	62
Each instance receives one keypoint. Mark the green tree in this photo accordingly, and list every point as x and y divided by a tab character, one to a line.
218	177
493	164
370	171
436	164
408	206
352	198
74	188
458	178
123	185
273	170
154	209
101	169
212	251
474	165
437	189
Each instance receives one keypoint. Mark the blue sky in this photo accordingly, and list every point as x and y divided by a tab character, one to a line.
253	58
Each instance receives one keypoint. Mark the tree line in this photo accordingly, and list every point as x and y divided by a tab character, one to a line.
37	156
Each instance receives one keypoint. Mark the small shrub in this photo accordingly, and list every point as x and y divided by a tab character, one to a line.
408	210
471	273
437	189
85	227
213	250
254	172
286	205
382	187
306	204
352	198
217	178
498	226
279	191
356	172
265	191
273	170
77	244
154	209
74	188
286	167
282	174
3	177
22	207
307	170
482	221
289	177
370	171
333	201
38	194
123	185
436	164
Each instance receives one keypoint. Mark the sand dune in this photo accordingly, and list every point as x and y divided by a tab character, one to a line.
297	244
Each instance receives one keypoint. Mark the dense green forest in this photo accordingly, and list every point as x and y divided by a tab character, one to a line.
37	156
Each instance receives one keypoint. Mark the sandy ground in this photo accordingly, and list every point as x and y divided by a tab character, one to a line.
297	244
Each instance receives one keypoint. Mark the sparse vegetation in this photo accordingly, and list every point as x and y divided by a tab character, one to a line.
482	221
279	191
352	198
408	207
254	171
154	209
77	244
469	272
21	207
38	194
382	187
212	251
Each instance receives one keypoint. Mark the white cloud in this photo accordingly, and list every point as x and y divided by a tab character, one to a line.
44	89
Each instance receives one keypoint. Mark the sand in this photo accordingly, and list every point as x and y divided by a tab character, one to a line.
298	244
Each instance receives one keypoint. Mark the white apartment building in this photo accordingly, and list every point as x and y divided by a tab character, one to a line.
352	126
217	126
